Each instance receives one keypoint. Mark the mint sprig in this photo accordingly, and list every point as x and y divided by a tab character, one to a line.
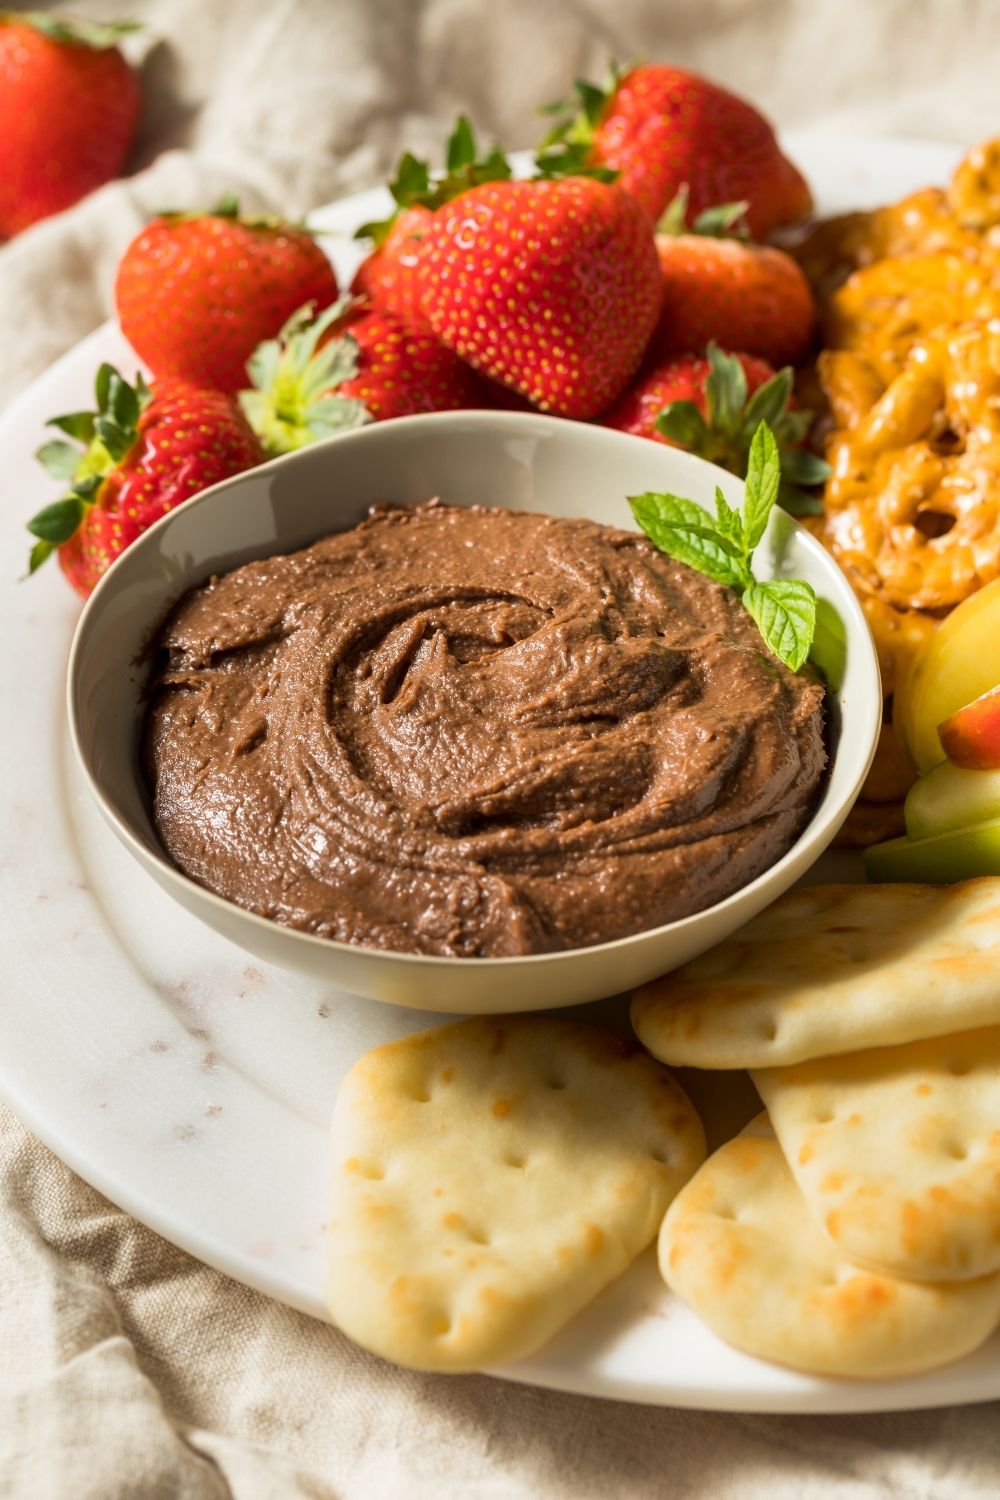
783	609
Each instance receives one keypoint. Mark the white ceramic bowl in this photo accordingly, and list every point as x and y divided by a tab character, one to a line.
527	462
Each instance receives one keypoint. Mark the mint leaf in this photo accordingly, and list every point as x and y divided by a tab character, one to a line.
729	522
784	609
763	480
785	614
684	531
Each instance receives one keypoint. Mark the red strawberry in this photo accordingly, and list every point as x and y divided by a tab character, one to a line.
325	374
69	105
387	277
145	451
196	293
712	406
551	287
661	128
740	295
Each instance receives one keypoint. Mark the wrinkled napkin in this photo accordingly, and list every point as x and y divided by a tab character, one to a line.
129	1369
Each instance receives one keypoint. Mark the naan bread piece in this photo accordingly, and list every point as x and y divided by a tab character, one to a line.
897	1151
739	1246
490	1178
831	969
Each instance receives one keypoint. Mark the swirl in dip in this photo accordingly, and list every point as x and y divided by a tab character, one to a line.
475	732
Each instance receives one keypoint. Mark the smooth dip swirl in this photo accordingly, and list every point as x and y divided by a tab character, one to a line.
475	732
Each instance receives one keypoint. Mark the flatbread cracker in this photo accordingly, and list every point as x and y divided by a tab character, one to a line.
897	1151
831	969
739	1246
490	1178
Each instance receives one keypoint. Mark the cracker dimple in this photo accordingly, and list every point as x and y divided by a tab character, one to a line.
852	968
740	1247
904	1174
539	1164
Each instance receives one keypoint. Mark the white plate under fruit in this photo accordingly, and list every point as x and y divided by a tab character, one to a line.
194	1086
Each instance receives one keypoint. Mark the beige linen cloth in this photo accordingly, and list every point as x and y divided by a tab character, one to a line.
127	1369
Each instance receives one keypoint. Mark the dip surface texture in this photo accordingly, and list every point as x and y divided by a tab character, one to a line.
475	732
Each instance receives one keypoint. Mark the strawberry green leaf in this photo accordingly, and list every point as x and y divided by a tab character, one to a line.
725	391
115	439
59	459
723	221
684	531
375	230
785	614
76	424
262	366
763	479
494	166
799	502
412	180
582	115
87	488
593	100
123	403
793	428
98	36
461	149
57	522
800	466
143	394
769	402
683	423
673	220
296	379
102	385
39	553
570	161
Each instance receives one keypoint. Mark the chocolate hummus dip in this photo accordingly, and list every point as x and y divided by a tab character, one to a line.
475	732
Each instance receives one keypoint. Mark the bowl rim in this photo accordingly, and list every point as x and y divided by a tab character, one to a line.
858	634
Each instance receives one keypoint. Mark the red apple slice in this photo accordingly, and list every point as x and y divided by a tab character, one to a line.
971	737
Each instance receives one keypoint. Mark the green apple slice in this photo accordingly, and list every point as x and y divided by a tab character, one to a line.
956	855
948	797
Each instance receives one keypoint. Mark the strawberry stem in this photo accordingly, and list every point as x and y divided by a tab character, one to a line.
103	437
97	36
415	186
723	221
295	380
724	434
